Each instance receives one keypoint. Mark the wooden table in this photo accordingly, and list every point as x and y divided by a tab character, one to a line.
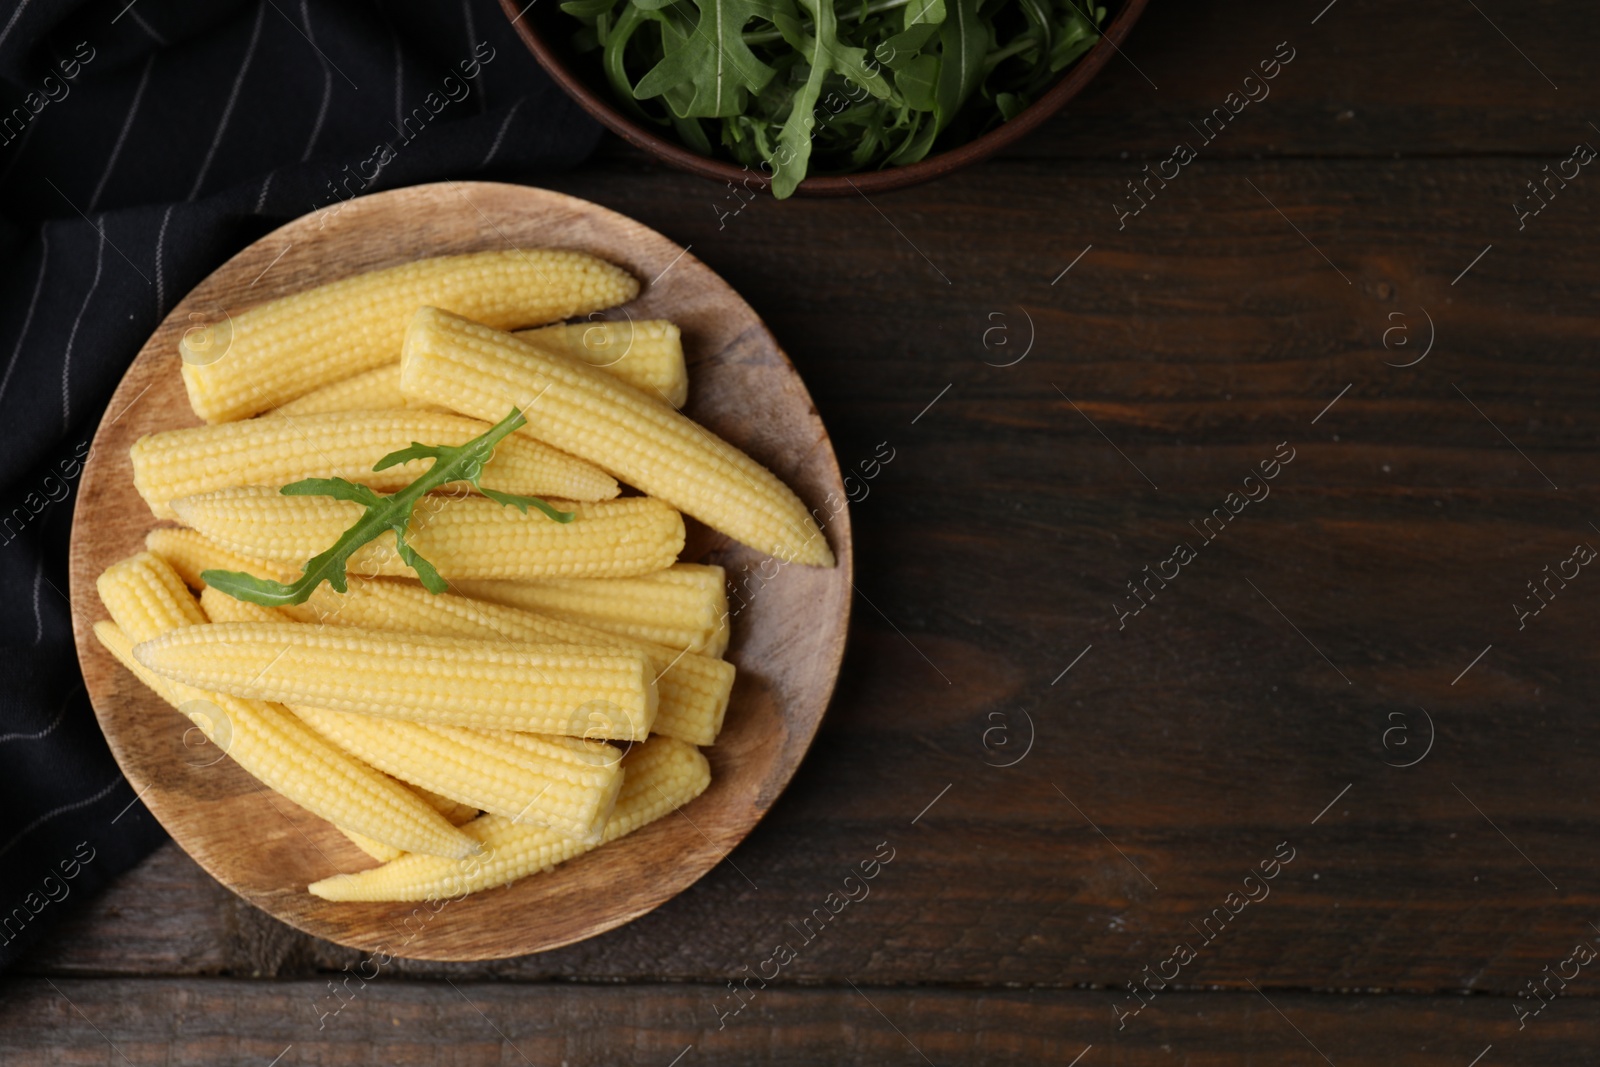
1337	672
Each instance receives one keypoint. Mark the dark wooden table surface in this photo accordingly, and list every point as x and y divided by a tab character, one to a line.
1339	674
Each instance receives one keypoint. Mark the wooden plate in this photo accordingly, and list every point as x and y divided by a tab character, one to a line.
787	642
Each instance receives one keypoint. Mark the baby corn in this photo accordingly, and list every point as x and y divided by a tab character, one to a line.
274	451
481	371
146	599
453	810
557	689
375	390
189	552
220	607
659	777
562	783
454	813
464	537
693	689
274	352
647	354
376	849
684	606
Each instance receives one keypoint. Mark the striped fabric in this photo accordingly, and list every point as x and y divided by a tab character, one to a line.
141	145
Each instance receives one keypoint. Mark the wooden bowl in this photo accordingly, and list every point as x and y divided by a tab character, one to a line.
547	31
787	641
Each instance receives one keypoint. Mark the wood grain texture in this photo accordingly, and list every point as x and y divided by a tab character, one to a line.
203	1022
788	640
1432	78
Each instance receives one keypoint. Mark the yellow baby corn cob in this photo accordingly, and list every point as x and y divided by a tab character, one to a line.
546	689
481	372
376	849
454	813
463	536
375	390
658	777
563	783
684	606
189	552
647	354
220	607
453	810
274	451
146	599
198	554
693	689
274	352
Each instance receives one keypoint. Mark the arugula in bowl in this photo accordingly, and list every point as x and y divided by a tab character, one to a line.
806	86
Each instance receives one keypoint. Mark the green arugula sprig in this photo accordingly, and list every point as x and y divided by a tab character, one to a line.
385	511
799	87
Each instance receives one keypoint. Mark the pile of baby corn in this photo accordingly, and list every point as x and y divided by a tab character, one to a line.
555	697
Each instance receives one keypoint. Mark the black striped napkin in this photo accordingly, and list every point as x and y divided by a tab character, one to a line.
141	144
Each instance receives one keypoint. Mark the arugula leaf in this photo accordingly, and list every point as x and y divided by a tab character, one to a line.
714	59
1037	12
852	63
902	49
786	18
917	143
794	142
1077	36
384	512
614	57
919	12
587	9
675	31
916	80
963	42
693	134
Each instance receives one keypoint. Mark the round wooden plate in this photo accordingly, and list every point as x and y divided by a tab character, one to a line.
788	638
